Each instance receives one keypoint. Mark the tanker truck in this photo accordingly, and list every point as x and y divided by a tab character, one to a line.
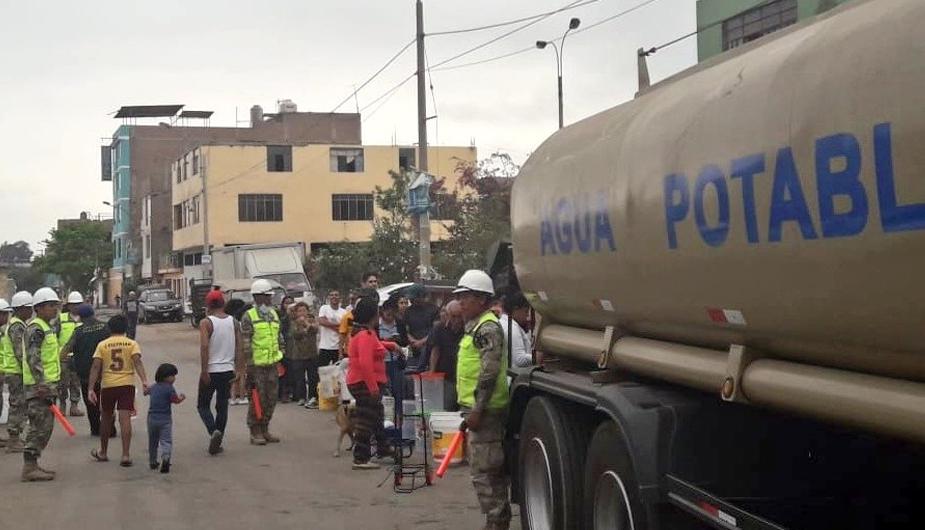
727	273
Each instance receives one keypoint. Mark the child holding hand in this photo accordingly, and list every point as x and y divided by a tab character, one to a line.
160	421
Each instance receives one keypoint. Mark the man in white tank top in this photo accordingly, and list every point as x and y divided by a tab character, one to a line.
222	362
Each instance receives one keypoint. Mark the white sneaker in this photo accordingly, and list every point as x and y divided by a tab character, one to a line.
312	404
301	402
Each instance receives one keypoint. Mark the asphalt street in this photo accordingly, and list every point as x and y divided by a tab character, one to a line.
295	484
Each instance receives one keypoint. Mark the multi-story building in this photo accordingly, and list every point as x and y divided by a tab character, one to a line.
138	162
315	194
730	23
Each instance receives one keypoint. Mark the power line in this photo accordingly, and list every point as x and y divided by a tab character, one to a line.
499	37
389	91
509	22
558	39
379	71
654	49
433	98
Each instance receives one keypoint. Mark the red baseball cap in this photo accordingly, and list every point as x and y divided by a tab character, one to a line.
215	298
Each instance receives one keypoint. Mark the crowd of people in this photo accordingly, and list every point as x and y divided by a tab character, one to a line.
264	355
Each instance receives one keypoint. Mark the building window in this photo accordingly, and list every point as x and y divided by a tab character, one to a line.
346	160
194	210
258	208
406	157
757	22
445	207
279	158
352	207
196	162
192	259
177	216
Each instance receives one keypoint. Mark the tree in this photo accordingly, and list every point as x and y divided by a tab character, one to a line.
18	252
482	216
478	211
75	251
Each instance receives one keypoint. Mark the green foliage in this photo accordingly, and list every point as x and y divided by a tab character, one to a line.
74	251
27	278
481	217
18	252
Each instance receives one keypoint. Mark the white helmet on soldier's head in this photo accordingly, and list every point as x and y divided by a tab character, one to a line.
261	286
476	281
45	295
21	299
75	298
5	306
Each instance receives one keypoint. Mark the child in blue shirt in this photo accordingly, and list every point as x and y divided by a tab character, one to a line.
160	422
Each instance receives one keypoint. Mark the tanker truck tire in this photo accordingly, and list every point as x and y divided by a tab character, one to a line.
551	456
611	499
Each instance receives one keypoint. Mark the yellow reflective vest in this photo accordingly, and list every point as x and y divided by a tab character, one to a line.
469	366
8	364
68	325
51	363
265	342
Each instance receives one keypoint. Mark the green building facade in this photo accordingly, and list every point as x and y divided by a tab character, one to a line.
731	23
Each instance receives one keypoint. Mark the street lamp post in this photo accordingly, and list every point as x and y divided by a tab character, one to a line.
541	44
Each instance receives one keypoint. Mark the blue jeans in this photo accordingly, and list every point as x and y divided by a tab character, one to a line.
220	385
160	433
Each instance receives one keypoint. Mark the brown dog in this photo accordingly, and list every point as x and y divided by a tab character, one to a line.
344	420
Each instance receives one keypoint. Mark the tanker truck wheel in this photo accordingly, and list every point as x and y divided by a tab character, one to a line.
550	461
611	493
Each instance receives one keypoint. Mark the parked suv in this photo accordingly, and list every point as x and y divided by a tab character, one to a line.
159	304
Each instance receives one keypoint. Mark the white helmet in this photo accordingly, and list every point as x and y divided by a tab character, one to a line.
261	286
75	298
475	280
21	299
43	295
5	306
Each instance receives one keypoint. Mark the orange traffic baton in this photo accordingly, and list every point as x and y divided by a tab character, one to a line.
62	420
255	399
454	446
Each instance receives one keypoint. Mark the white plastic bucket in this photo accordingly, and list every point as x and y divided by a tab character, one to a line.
388	403
444	426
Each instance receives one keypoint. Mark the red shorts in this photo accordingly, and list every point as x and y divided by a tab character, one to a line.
117	398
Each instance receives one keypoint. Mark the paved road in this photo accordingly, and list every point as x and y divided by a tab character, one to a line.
296	484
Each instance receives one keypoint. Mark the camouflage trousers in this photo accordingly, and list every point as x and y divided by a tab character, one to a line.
17	403
266	380
69	385
486	465
41	424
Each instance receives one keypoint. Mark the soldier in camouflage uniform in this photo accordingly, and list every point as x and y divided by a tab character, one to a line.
69	385
263	347
16	333
481	380
41	371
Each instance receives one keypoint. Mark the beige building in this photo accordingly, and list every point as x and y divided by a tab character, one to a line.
315	194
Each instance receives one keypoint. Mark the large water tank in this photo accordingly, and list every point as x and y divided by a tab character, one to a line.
287	106
772	197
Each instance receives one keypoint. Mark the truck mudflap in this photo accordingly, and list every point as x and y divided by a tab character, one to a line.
713	510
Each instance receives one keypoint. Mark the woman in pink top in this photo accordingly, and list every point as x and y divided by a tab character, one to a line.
366	380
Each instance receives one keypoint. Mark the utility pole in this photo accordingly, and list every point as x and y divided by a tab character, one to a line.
206	255
424	217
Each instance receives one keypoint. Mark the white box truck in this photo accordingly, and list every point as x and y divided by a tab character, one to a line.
282	262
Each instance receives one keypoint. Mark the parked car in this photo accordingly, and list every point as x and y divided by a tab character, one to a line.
159	305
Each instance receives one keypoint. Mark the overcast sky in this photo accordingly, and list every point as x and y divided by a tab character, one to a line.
67	65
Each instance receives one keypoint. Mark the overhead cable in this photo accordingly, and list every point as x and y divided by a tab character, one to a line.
510	22
379	71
